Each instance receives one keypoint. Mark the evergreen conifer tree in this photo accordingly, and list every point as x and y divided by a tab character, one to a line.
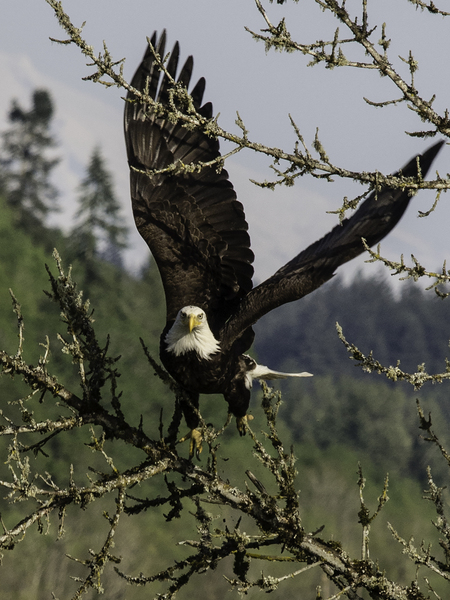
25	165
98	232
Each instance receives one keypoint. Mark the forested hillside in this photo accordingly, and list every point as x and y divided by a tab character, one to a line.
338	418
412	326
342	404
334	421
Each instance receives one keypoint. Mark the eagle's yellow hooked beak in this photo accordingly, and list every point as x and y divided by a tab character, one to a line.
193	322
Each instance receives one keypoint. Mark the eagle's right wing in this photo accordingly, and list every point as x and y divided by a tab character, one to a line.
193	223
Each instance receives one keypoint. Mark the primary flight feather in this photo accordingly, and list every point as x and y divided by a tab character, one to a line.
197	233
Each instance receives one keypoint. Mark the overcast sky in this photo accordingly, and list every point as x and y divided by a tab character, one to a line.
264	88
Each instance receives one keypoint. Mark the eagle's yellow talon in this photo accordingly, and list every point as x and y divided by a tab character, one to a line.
195	442
241	423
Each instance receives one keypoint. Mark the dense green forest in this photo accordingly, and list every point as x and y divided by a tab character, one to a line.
339	418
407	324
342	403
334	422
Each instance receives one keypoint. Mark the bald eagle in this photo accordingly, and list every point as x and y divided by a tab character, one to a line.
197	233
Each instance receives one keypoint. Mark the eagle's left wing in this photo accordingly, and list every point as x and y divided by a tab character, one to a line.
374	219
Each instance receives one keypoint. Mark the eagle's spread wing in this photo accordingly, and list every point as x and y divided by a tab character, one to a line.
375	218
193	224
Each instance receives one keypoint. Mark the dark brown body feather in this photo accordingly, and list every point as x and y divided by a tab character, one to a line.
197	233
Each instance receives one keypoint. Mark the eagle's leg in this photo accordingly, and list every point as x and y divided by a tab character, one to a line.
238	402
189	405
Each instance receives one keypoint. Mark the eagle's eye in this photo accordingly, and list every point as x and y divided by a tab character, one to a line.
200	316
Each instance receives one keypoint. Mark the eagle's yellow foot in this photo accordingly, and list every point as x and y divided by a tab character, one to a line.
241	423
195	442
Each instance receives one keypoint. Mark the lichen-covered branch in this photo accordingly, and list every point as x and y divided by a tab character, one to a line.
434	494
332	54
300	161
415	272
365	518
268	521
276	516
370	364
430	7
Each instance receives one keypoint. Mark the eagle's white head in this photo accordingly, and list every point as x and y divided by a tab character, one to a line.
191	332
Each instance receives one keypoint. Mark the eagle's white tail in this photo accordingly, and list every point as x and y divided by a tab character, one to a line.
262	372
